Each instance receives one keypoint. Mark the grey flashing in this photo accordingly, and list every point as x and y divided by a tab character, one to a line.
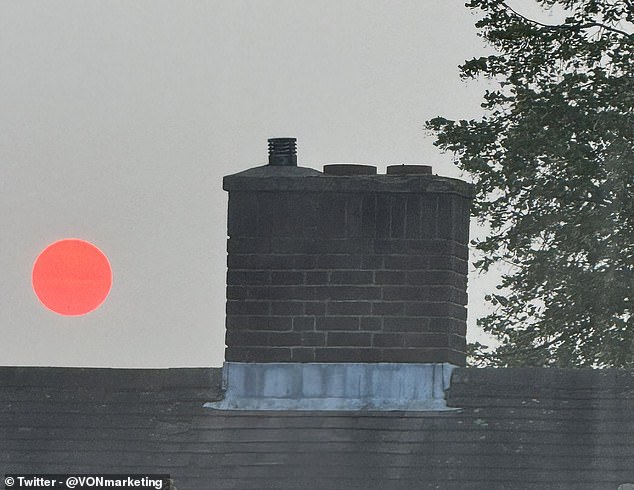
334	386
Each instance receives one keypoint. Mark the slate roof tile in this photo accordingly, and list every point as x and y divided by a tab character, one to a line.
512	429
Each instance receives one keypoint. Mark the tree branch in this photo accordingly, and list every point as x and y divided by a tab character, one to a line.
607	28
576	27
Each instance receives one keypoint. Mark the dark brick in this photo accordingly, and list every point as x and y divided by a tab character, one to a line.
354	215
321	246
446	221
429	207
413	217
302	354
301	323
348	308
236	292
292	245
287	307
414	247
404	293
287	277
436	310
425	340
262	338
316	277
405	262
246	338
457	226
269	212
367	355
351	277
303	261
315	307
446	262
458	342
368	216
453	278
390	277
317	339
449	325
342	261
242	214
244	278
459	312
431	277
388	340
457	357
264	322
459	297
462	251
372	262
343	354
282	339
235	307
253	262
382	222
281	292
249	245
268	324
258	354
390	308
342	293
397	216
442	293
354	339
371	323
347	245
462	220
332	216
283	214
337	323
309	216
405	324
240	261
237	321
427	309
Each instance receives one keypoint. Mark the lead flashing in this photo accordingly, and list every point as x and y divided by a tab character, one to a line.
334	386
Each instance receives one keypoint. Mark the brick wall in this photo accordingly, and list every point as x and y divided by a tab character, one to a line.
346	269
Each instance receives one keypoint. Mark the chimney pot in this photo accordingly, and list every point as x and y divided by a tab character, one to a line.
283	152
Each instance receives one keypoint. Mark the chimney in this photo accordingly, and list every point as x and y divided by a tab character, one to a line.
345	289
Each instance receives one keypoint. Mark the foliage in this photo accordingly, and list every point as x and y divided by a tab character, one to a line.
553	163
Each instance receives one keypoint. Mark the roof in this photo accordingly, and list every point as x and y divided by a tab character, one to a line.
514	429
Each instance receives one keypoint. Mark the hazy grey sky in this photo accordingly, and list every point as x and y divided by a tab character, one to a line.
118	120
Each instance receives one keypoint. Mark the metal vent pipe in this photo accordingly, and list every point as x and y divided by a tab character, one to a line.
283	151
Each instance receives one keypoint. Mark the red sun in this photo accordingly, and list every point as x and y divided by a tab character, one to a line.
72	277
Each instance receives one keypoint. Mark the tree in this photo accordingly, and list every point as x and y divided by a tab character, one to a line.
553	163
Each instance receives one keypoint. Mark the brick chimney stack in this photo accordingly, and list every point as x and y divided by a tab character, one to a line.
344	270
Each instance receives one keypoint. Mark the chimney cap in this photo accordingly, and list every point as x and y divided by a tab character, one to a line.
409	169
349	169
